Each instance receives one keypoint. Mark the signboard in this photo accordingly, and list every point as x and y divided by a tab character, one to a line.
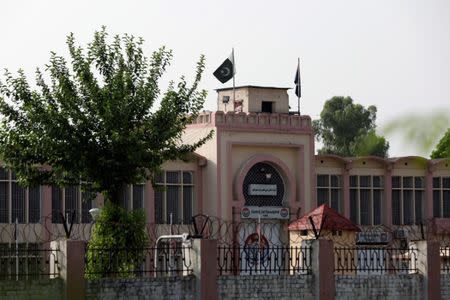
372	238
265	212
262	189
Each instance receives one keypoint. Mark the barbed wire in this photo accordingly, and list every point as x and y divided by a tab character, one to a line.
237	232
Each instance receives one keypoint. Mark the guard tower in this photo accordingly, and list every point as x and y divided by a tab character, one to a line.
259	162
253	99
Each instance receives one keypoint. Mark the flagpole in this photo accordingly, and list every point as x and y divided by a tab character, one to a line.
298	88
234	92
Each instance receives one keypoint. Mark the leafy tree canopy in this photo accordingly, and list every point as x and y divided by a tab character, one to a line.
442	149
348	129
94	118
410	128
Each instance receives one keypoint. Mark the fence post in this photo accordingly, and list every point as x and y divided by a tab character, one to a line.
204	265
429	265
322	264
71	263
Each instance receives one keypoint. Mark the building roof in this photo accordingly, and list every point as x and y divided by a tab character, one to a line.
325	217
254	86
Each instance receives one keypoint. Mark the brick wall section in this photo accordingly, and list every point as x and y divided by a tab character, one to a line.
31	289
256	287
379	287
445	286
259	287
142	288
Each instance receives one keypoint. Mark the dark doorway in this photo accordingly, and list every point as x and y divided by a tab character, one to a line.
267	107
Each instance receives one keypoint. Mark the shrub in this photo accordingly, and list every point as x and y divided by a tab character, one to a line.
118	242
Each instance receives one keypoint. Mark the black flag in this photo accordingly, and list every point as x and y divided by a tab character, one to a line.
298	88
226	70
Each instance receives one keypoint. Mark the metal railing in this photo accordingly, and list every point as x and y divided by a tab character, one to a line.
445	259
24	262
276	260
167	260
375	260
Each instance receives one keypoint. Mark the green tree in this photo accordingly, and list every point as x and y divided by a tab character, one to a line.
94	119
348	129
442	149
419	130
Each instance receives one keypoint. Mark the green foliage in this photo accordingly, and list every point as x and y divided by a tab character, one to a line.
442	149
421	130
348	129
370	144
117	243
94	119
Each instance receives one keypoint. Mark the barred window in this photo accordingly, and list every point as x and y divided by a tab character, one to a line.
329	191
407	200
366	197
441	197
133	197
174	197
72	202
16	202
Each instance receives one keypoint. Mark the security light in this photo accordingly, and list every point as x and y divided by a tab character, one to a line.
95	212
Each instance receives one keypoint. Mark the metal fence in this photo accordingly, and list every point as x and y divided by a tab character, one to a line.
161	261
375	260
445	259
276	260
27	261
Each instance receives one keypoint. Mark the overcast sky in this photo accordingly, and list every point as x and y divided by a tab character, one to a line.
392	54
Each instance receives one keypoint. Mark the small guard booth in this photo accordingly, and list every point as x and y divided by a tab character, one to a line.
322	223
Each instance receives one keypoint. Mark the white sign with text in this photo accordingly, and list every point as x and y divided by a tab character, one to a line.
265	212
262	189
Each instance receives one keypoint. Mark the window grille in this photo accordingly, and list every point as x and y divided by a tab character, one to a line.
441	197
138	196
34	204
366	194
71	201
174	197
133	197
16	202
329	191
407	200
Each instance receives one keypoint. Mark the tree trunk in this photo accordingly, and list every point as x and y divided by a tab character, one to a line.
115	194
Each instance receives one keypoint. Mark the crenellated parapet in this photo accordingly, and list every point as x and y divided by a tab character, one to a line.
243	120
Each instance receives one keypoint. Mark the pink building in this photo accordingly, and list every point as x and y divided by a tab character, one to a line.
260	164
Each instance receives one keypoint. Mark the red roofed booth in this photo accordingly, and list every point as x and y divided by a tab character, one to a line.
323	222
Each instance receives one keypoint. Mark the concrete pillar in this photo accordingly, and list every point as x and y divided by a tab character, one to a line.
322	255
149	205
71	263
346	193
429	265
204	265
387	208
428	214
46	204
